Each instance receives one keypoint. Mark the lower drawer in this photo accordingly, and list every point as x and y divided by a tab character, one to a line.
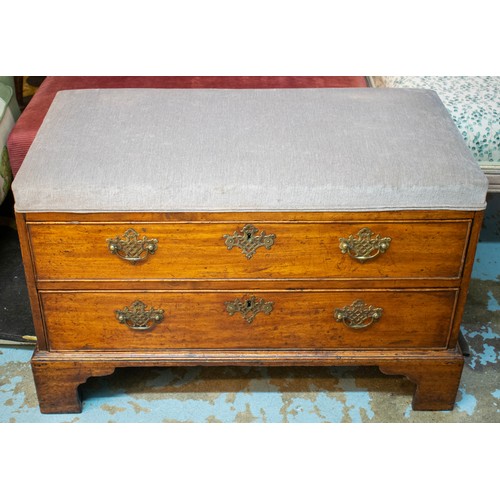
150	320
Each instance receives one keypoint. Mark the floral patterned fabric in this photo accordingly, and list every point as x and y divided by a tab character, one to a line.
5	174
7	121
472	101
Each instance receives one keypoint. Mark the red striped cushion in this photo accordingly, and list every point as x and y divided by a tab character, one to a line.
28	124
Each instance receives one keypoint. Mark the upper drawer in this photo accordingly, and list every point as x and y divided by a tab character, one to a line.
213	250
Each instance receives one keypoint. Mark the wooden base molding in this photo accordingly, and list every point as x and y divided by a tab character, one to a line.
58	375
436	381
57	383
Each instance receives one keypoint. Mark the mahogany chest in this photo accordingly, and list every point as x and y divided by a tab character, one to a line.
310	227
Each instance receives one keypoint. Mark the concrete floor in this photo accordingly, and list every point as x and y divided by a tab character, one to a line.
285	394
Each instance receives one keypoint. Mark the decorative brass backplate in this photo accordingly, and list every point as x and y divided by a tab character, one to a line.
137	317
249	307
248	240
358	314
128	247
364	247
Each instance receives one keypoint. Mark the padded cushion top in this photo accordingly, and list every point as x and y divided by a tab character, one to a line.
157	150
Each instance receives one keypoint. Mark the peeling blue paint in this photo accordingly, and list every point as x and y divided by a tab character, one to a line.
356	400
9	386
172	409
485	332
467	403
487	356
330	408
303	411
496	394
487	263
408	411
488	353
260	402
493	304
15	354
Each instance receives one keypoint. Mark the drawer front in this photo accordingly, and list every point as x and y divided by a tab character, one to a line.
432	249
149	320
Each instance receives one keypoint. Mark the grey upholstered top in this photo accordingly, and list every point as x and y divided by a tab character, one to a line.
248	150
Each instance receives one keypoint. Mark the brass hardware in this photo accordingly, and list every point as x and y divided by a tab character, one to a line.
137	317
248	240
130	248
364	247
358	314
249	307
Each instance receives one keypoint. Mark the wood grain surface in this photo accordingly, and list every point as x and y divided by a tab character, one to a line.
76	286
199	320
197	250
59	375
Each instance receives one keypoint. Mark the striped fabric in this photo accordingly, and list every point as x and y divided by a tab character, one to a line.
29	123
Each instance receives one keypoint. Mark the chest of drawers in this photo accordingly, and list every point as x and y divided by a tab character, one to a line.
361	285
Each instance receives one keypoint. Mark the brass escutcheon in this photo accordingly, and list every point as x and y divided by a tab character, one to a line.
358	314
248	240
128	247
138	317
364	247
249	307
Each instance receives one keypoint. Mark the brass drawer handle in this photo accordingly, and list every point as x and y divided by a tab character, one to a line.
364	247
128	247
137	317
248	240
358	314
249	307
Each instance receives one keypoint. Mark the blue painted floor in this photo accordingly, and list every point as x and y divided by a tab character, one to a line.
228	394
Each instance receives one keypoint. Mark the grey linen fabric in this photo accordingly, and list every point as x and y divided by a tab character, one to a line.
158	150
